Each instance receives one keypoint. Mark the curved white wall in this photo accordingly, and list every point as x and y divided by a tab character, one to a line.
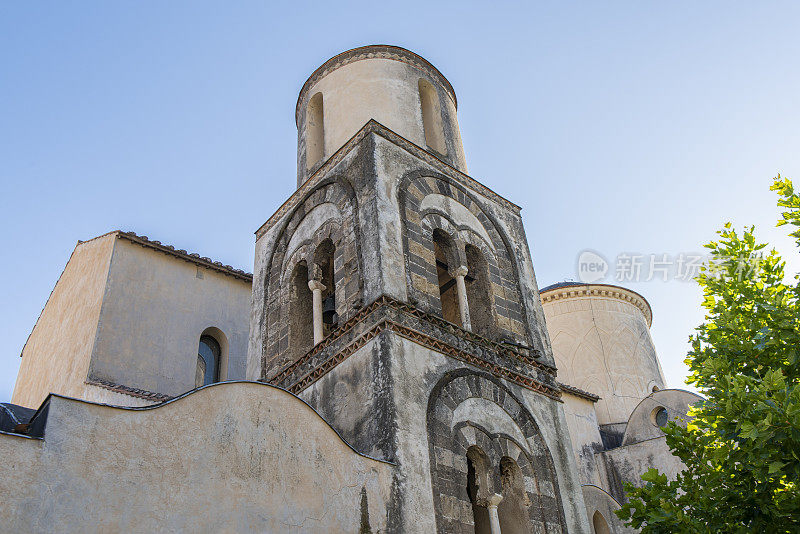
601	343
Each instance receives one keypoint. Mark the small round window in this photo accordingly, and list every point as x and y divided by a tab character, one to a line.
659	416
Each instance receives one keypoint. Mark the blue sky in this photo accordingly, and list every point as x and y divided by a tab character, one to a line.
618	126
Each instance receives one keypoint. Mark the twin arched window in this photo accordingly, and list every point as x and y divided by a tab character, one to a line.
304	308
477	290
513	508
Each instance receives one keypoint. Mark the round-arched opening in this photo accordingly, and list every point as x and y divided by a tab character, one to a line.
208	356
445	253
659	416
478	488
213	351
513	509
301	326
324	260
479	293
599	524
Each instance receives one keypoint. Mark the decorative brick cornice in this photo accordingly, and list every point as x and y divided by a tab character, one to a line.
599	290
132	392
374	127
394	53
387	314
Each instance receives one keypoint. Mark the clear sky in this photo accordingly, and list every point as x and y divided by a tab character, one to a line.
634	127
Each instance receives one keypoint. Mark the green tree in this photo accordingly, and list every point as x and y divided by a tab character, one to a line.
741	449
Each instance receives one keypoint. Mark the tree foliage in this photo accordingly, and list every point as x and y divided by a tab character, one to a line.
742	448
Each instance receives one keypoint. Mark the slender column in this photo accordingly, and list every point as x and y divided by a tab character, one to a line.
461	288
494	519
316	288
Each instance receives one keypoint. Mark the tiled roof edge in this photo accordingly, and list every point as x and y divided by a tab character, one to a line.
132	392
184	255
579	392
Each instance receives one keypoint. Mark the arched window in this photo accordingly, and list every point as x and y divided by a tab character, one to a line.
315	131
513	509
301	318
324	258
477	488
208	356
431	117
600	524
444	249
479	293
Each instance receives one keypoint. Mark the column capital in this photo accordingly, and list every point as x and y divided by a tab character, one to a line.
315	285
494	500
461	270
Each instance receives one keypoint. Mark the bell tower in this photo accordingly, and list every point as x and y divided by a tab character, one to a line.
396	295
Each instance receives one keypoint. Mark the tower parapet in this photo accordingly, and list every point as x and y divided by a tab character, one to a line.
389	84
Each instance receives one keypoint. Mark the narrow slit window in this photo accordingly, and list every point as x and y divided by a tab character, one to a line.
315	131
432	117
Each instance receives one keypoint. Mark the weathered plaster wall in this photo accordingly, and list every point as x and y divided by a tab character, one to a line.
155	309
642	424
585	434
630	462
644	444
602	344
553	425
236	457
56	355
599	501
356	399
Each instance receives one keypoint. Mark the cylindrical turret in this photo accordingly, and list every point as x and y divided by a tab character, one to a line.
391	85
601	343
